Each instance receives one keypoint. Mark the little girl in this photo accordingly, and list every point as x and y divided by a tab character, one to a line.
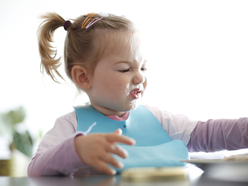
103	57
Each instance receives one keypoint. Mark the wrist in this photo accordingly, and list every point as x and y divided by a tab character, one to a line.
78	144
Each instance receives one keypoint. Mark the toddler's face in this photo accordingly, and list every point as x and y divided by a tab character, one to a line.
119	79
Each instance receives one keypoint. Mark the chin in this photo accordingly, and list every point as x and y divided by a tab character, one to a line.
133	106
125	107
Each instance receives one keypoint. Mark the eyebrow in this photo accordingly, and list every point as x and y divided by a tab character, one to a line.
128	62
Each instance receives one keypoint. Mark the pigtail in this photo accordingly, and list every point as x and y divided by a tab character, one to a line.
49	63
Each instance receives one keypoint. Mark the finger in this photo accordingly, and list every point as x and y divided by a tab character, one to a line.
106	157
120	139
115	149
103	167
118	131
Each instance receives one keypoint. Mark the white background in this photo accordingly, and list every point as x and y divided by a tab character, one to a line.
198	56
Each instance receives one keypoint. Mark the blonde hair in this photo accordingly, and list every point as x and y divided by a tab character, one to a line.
82	46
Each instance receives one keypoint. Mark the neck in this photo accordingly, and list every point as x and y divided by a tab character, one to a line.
108	112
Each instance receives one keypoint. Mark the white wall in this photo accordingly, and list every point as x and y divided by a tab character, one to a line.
198	56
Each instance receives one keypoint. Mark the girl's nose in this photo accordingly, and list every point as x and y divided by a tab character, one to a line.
139	78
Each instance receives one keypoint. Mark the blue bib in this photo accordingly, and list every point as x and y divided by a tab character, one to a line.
153	148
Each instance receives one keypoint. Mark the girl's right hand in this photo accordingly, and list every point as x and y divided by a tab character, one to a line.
95	150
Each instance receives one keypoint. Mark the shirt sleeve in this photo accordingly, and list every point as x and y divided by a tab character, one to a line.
219	134
177	126
56	154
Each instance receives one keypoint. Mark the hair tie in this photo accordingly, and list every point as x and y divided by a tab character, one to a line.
67	24
92	22
88	17
94	18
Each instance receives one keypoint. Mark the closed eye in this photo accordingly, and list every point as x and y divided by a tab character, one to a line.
144	69
125	70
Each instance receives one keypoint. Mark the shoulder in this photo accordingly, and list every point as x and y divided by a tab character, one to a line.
166	117
178	126
64	126
158	112
68	120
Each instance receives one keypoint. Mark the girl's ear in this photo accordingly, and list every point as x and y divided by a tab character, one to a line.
80	76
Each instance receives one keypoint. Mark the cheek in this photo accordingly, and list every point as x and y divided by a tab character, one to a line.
145	83
119	87
110	85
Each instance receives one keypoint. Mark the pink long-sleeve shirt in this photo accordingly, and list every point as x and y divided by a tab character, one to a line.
56	154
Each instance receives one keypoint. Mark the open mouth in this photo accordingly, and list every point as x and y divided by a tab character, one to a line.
135	93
